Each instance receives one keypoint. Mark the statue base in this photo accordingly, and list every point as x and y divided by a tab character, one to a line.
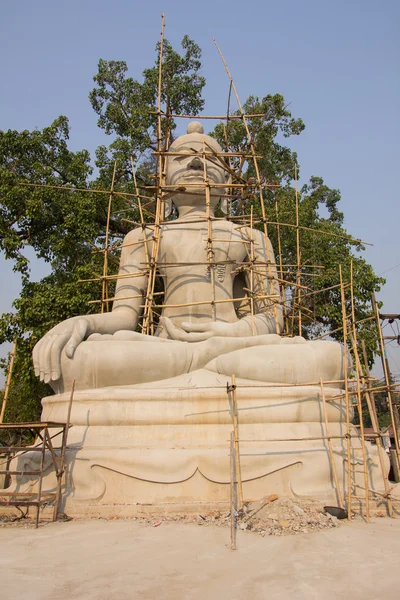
170	444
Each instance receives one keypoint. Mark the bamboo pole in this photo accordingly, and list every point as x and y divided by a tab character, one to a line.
232	491
341	328
298	278
332	458
104	292
387	376
61	469
210	251
218	117
282	286
353	339
345	367
205	302
235	419
375	424
142	221
148	322
257	171
8	382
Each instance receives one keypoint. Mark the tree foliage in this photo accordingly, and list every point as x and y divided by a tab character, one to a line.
64	227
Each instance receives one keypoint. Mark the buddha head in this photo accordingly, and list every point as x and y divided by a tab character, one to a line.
188	172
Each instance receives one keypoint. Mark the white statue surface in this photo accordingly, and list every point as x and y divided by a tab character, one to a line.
115	354
151	415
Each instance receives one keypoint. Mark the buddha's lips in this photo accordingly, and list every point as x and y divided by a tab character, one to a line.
199	178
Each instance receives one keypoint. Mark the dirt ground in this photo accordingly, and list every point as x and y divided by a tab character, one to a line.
106	559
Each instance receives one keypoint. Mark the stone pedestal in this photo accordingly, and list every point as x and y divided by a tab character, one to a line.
162	446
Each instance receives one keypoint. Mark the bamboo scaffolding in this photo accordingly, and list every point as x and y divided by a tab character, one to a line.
142	221
345	366
332	458
262	278
281	285
308	439
210	251
298	276
148	320
231	389
387	377
104	292
217	117
374	420
254	157
232	491
353	338
206	302
8	382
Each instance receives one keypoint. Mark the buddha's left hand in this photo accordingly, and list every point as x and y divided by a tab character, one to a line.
198	332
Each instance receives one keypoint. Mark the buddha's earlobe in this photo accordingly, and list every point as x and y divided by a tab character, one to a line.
168	208
224	206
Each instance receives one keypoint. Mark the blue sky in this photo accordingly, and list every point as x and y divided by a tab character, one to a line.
335	62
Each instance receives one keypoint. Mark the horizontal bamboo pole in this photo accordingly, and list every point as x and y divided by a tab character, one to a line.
218	117
369	389
201	154
306	439
205	302
124	298
341	328
227	241
372	492
107	277
182	187
262	386
76	189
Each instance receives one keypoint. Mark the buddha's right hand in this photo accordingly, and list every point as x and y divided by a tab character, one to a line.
47	352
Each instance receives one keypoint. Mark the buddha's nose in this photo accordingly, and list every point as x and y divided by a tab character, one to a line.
195	163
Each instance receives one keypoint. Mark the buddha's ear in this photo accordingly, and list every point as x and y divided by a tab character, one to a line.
167	208
224	204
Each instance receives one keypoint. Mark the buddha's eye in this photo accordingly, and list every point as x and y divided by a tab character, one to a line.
178	158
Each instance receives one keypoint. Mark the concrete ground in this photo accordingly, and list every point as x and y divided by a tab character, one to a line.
103	560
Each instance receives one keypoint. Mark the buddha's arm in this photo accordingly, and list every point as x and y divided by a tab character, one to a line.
268	317
126	311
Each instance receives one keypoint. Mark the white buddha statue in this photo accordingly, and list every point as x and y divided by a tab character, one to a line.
151	415
115	354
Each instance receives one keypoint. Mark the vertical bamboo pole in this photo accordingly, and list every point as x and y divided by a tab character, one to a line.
210	251
8	382
237	448
346	386
142	221
387	376
358	395
61	469
375	424
253	331
104	295
257	171
40	483
332	458
148	325
281	285
298	276
368	374
232	491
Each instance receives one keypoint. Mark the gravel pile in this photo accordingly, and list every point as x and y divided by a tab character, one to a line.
283	516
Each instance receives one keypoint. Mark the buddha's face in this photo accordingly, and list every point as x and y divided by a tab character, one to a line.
190	171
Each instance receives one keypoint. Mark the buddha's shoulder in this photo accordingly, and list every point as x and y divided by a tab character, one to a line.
136	235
